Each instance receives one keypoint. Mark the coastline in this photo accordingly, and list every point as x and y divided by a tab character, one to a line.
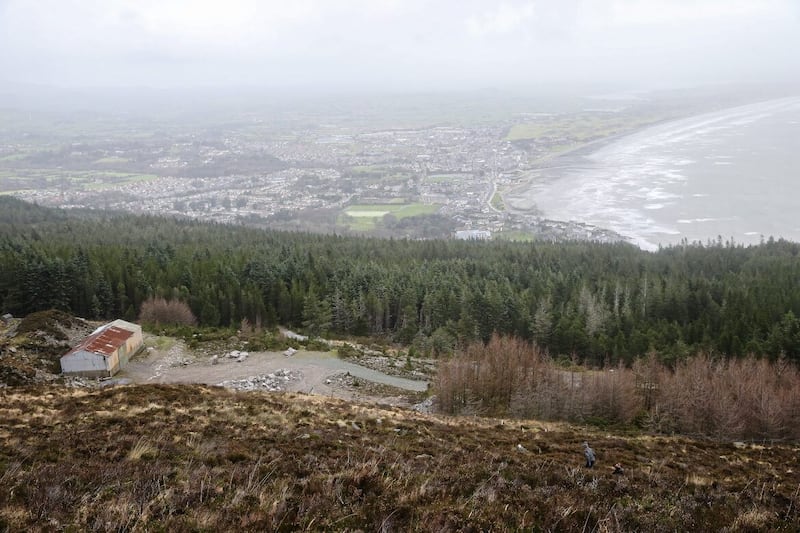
567	159
550	180
588	148
572	157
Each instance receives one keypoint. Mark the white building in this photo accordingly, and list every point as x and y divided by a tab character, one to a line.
474	235
105	351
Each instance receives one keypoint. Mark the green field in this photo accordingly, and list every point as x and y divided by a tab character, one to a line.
121	179
380	174
515	235
367	169
13	157
497	202
111	160
363	217
578	128
29	179
444	178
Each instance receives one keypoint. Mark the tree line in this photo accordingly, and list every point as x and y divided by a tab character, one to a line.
600	303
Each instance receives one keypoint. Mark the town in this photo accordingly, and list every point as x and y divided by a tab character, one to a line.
320	173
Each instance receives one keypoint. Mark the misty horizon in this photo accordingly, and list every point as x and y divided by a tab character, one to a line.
360	46
108	101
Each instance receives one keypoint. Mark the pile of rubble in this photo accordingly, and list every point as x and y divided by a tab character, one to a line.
78	382
272	382
174	357
425	406
415	368
345	380
236	355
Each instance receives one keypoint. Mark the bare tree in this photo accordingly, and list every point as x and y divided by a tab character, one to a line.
159	311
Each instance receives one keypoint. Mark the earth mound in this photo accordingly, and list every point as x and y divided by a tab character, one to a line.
31	347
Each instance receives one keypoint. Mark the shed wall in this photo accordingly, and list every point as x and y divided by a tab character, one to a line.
86	364
131	346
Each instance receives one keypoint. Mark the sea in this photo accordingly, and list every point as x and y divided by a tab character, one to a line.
732	175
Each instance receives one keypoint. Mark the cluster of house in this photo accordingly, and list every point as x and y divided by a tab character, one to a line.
105	351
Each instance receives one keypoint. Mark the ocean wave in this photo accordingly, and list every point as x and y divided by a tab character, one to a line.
705	219
660	194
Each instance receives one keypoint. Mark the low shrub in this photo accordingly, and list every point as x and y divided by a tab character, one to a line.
347	350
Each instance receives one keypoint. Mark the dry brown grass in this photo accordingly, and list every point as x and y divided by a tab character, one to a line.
187	458
143	449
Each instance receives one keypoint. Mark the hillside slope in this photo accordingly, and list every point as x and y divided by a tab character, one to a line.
183	458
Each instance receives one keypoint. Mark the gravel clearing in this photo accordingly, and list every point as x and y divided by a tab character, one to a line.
321	373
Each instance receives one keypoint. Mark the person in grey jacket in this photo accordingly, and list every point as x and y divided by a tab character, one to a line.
589	454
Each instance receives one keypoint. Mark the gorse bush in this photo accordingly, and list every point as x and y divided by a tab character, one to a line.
747	398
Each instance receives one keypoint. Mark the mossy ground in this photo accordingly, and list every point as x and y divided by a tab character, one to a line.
180	458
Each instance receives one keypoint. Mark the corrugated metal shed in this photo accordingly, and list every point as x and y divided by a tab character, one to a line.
105	351
105	341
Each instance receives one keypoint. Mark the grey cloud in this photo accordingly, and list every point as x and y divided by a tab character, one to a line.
408	44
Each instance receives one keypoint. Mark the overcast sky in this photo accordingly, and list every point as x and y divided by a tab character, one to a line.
397	44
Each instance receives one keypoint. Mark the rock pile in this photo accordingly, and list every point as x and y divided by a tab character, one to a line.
425	406
272	382
174	357
78	382
238	356
344	379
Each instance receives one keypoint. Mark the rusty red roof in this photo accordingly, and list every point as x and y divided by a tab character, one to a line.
103	342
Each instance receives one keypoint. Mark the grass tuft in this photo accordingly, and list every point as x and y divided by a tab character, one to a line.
142	450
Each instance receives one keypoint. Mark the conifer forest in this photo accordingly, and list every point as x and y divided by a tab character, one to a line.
598	304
